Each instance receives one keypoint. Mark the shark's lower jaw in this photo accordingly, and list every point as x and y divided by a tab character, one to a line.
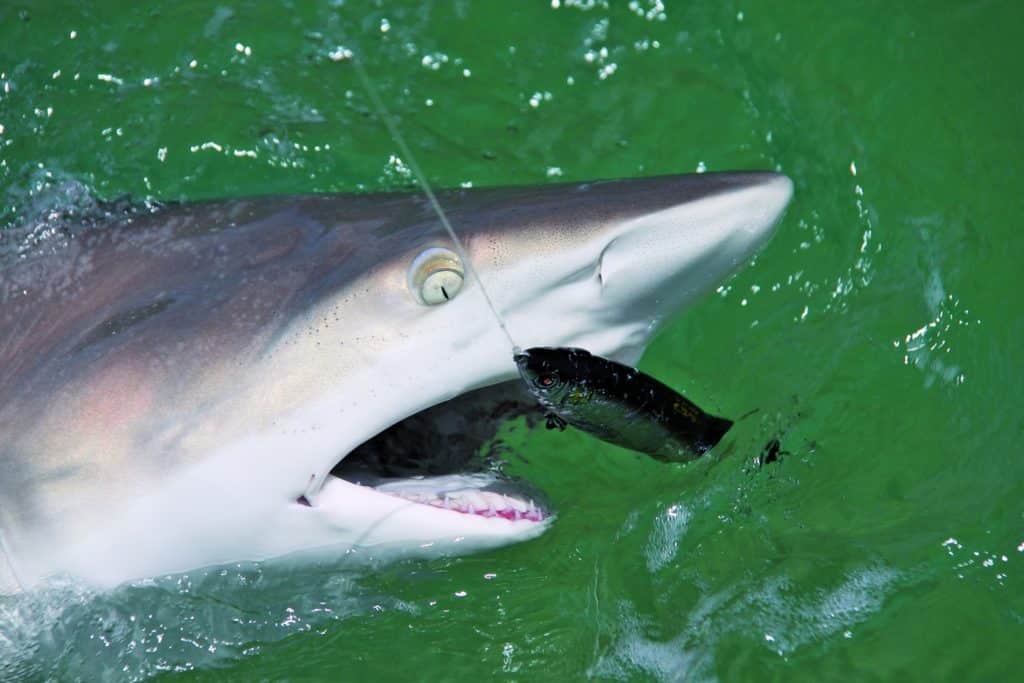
467	494
435	458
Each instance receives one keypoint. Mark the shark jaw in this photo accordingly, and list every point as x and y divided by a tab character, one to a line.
215	453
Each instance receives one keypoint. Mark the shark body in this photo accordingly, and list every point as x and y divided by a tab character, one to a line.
177	388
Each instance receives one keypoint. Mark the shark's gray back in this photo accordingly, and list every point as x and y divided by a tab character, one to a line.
205	274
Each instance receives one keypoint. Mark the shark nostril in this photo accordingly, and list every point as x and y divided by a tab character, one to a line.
601	265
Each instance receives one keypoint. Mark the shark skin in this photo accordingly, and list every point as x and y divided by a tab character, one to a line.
177	387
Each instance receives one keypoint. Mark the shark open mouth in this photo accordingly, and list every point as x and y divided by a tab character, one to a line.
445	457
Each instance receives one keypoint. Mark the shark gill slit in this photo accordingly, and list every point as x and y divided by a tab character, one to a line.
396	136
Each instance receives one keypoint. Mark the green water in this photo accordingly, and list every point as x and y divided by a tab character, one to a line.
879	332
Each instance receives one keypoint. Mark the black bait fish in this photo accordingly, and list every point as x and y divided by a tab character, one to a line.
617	404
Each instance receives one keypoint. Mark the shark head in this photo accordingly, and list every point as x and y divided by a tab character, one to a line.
206	372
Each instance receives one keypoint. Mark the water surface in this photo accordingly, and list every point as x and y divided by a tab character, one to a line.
879	333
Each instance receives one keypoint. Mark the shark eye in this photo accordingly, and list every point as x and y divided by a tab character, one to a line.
435	276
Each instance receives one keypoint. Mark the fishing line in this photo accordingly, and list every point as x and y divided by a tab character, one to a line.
403	148
9	561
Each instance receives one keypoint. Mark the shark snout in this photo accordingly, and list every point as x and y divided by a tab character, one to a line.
669	256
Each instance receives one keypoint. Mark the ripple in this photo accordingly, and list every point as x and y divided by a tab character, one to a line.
667	531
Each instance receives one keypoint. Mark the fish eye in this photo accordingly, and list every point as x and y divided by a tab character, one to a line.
547	381
435	276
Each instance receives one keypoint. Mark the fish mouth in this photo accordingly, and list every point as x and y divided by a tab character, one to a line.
446	457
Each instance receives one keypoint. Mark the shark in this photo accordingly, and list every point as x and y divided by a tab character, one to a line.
229	380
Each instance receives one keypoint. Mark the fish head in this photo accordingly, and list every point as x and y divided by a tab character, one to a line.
550	373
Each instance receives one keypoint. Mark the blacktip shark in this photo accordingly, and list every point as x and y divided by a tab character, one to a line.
178	388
